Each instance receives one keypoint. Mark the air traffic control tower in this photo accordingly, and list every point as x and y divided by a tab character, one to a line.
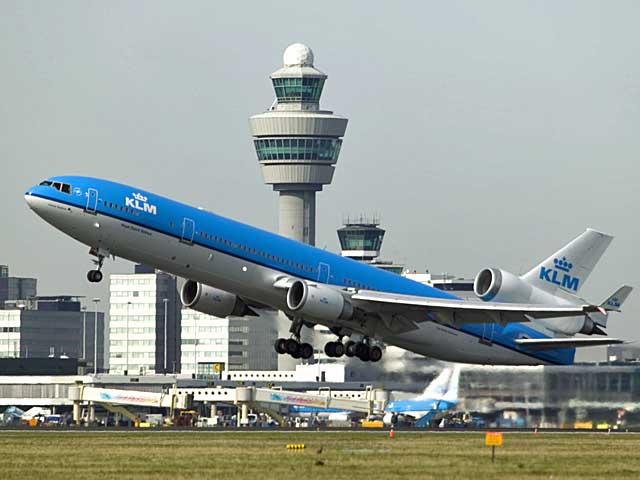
297	143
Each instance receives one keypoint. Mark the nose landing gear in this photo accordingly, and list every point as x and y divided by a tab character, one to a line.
95	276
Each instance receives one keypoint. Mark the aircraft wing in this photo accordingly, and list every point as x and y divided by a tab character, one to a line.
553	343
401	311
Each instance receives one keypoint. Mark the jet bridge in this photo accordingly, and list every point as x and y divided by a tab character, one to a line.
373	401
116	400
370	401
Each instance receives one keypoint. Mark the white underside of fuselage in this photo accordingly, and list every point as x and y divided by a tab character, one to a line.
248	280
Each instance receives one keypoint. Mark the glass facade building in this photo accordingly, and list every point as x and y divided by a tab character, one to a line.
43	333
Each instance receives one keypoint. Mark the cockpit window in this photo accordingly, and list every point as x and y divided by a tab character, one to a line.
62	187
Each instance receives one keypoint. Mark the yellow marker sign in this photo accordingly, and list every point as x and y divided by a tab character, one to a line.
296	446
493	439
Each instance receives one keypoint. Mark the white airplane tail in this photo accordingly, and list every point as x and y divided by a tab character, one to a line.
570	266
438	386
452	388
613	303
444	386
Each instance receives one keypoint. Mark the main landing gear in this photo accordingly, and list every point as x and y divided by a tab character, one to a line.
95	276
362	350
293	346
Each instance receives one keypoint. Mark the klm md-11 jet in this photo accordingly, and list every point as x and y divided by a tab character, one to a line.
234	269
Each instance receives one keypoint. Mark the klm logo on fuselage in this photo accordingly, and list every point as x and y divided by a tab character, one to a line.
139	202
560	275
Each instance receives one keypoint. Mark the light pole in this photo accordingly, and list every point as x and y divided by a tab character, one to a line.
126	369
84	332
195	346
165	300
95	337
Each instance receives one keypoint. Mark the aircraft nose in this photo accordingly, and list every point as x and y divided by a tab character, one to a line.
28	197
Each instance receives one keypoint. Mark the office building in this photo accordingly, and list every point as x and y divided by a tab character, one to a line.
15	289
140	305
59	329
211	344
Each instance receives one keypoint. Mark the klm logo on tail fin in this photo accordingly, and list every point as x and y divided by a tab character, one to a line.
614	302
560	275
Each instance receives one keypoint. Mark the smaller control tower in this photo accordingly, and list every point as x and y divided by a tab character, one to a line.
361	239
297	143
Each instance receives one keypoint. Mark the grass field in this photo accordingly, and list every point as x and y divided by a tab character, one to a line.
328	455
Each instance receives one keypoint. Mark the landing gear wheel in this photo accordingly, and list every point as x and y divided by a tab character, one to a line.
349	348
306	351
329	349
375	354
280	347
363	352
338	349
291	346
94	276
361	349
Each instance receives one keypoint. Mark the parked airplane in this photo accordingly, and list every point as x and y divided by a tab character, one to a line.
440	396
233	267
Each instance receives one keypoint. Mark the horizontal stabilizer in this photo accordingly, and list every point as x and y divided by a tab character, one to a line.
553	343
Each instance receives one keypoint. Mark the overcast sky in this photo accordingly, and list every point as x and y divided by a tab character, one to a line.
483	133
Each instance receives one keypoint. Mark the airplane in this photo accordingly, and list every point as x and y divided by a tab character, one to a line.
233	268
440	396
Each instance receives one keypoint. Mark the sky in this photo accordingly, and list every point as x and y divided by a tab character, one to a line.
483	133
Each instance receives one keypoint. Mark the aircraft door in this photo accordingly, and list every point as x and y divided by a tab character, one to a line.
188	230
323	273
92	200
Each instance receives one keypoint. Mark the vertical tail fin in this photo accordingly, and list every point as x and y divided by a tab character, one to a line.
613	303
452	388
438	386
570	266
